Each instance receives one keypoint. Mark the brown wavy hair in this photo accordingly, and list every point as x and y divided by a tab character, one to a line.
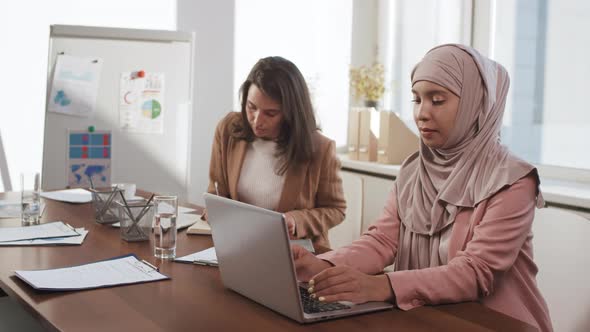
282	81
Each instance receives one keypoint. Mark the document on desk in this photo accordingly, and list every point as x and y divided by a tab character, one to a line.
200	227
10	209
203	257
184	209
54	229
122	270
182	220
56	241
77	195
209	256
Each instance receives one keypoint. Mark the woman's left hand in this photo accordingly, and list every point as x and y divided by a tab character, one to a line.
342	283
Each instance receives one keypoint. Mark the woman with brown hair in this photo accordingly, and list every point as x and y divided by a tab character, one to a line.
272	155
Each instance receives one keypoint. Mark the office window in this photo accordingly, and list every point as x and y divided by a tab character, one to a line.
409	30
24	31
545	46
315	35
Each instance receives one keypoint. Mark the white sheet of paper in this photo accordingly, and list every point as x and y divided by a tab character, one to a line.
205	256
77	195
119	271
305	243
43	231
75	85
58	241
89	156
10	210
183	209
141	103
10	201
185	220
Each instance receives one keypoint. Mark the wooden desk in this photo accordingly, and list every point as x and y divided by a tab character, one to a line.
194	299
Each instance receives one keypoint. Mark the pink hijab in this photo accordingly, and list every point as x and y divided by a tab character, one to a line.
472	165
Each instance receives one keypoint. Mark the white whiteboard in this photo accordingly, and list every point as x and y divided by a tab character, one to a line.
155	162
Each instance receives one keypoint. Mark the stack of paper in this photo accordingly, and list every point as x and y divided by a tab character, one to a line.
54	233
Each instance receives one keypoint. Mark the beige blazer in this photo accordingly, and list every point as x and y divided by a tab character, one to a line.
312	193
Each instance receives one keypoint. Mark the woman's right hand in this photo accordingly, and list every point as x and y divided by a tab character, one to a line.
306	264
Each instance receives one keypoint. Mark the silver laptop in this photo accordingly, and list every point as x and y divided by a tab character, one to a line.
255	260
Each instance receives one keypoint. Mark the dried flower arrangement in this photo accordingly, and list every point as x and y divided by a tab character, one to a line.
368	82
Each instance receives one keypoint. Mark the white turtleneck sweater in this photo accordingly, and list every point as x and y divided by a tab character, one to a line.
258	183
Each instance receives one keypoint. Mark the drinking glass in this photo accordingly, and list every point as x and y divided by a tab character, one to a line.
165	210
30	184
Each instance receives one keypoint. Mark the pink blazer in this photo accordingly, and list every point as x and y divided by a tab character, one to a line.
490	257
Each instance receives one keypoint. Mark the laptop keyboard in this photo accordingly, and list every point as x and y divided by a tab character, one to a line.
312	306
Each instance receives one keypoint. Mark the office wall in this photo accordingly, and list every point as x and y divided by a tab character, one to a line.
213	22
364	32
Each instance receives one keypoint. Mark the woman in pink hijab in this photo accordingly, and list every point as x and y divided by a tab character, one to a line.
457	223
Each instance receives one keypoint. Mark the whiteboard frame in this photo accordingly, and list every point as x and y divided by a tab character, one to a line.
89	32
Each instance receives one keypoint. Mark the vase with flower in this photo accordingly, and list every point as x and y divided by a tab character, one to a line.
368	83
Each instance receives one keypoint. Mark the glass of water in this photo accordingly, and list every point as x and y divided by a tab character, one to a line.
164	232
30	193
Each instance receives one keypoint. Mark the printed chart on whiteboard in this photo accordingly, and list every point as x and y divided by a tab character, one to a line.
141	102
75	85
89	158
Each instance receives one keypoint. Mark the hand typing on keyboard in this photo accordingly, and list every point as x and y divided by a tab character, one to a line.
342	283
312	305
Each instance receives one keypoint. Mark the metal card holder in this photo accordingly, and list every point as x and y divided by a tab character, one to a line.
104	201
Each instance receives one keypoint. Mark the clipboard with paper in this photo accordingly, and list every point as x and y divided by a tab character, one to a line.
116	271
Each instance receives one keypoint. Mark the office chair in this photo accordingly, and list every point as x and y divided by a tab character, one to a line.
561	248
